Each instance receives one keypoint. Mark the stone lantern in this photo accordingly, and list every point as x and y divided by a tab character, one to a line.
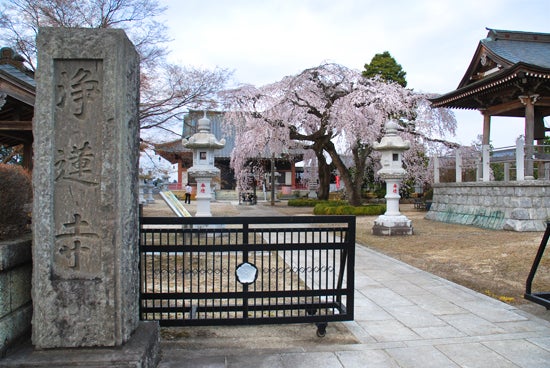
391	147
203	144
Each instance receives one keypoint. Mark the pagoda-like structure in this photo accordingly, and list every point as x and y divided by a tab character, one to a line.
509	75
202	144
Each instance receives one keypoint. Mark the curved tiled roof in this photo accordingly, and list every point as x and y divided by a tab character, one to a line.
505	64
17	74
516	47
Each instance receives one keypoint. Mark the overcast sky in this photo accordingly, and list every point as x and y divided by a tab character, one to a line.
434	40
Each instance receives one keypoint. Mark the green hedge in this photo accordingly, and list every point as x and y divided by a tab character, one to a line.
310	202
337	207
368	210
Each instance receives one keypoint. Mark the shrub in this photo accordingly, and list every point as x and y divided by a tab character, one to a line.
310	202
345	209
15	196
302	202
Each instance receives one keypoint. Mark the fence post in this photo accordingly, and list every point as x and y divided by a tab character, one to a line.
486	162
436	169
458	166
506	171
520	159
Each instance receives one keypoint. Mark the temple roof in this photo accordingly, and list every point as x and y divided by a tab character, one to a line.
505	65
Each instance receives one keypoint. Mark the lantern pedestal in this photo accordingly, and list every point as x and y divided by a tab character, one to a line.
203	196
392	222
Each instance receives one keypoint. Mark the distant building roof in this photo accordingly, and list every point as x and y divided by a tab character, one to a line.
174	150
17	74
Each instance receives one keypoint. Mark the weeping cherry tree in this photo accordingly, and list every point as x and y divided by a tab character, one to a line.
337	114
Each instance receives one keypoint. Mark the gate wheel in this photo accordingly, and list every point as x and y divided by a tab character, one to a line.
321	329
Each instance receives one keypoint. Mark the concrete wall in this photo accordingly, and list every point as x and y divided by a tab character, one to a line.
517	206
15	291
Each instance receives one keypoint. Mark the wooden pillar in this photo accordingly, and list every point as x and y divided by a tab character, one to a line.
27	156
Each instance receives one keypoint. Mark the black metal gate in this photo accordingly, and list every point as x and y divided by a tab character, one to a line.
542	298
247	270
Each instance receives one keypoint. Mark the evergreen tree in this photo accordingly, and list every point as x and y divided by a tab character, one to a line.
385	66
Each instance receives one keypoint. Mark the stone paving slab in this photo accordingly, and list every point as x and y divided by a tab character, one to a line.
439	324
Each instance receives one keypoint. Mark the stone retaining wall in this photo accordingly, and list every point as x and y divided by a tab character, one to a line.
517	206
15	291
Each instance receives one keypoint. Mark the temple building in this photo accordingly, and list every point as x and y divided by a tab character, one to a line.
509	75
287	173
176	154
17	95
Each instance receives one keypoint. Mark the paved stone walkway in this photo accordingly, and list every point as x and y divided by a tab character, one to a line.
404	317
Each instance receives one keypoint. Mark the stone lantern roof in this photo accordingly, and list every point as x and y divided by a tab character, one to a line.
391	141
203	138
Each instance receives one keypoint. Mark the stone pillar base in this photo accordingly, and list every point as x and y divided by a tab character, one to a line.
141	350
392	225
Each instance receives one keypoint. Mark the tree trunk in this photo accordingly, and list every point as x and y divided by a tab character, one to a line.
352	182
324	177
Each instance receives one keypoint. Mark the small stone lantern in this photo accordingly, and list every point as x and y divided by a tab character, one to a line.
203	144
391	147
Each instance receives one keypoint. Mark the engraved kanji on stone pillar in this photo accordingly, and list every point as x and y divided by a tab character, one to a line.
77	250
78	89
86	130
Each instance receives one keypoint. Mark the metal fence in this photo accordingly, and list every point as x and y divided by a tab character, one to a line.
247	270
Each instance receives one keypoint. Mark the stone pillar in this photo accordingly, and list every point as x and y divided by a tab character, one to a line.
458	166
436	169
142	199
150	189
85	224
486	162
529	103
486	128
507	171
520	159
